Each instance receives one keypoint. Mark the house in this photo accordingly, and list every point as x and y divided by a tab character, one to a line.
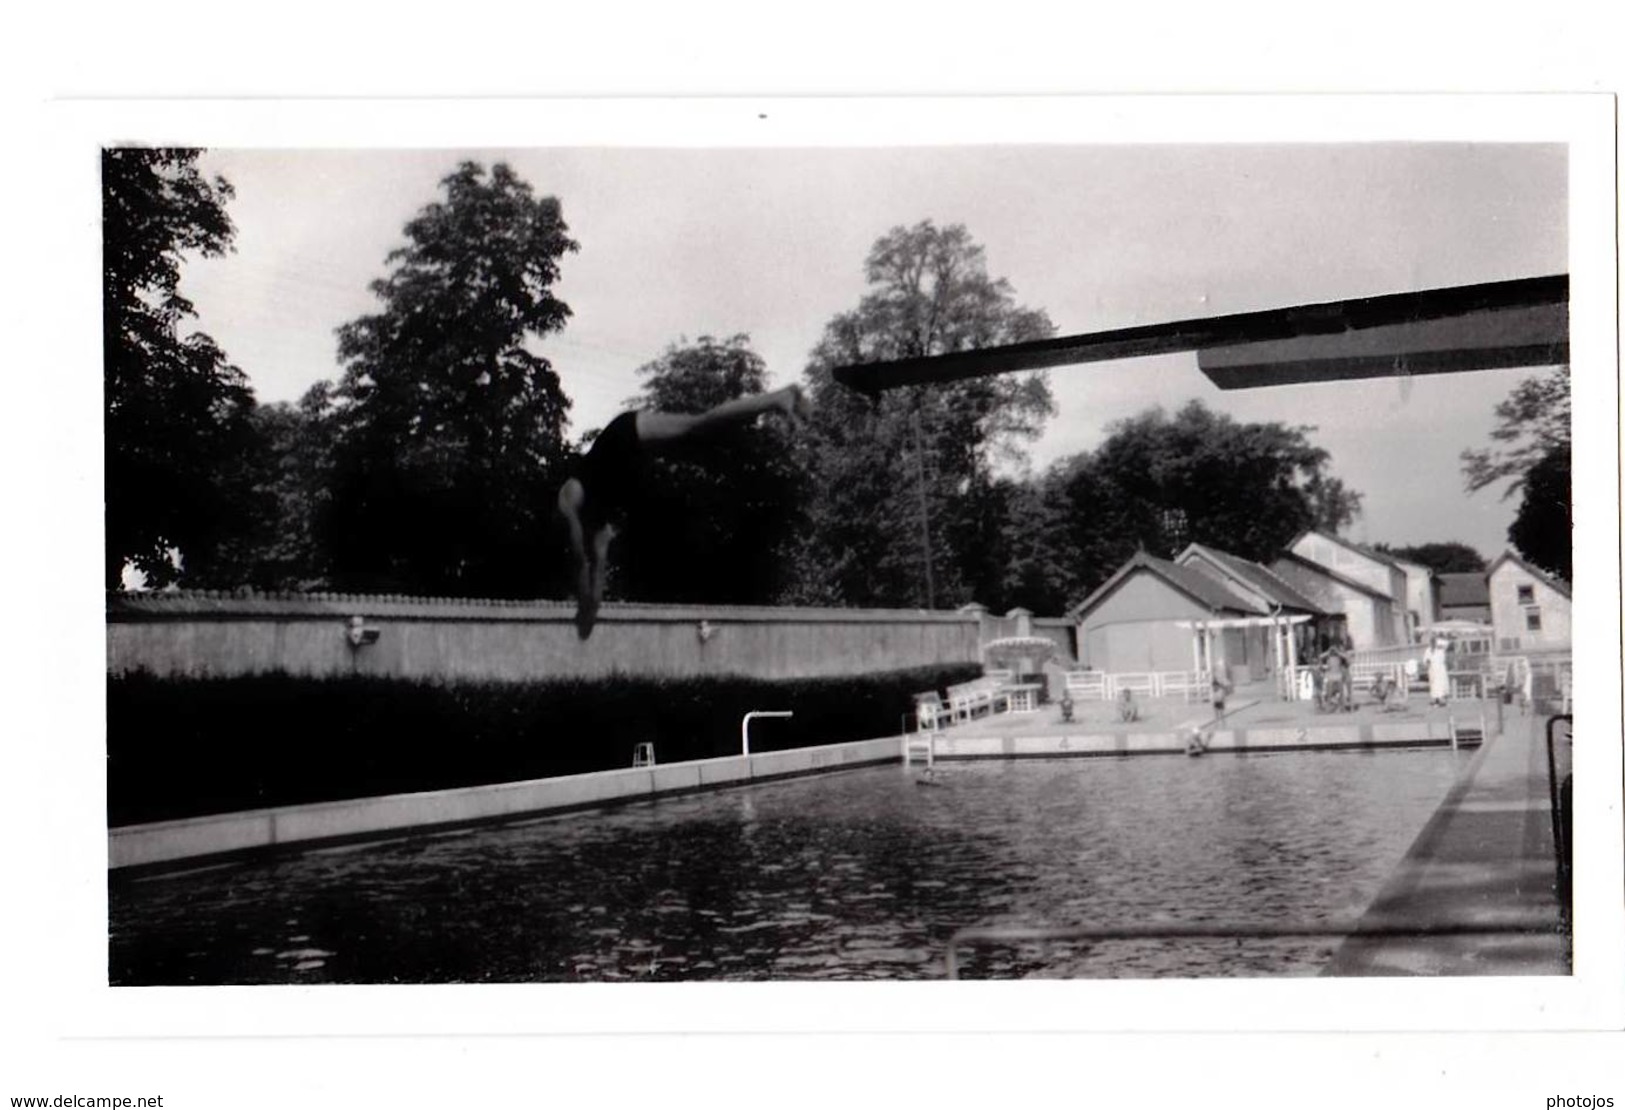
1250	581
1141	619
1421	596
1464	596
1372	569
1359	614
1529	609
1262	587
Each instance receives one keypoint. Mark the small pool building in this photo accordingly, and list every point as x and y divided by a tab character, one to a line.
1206	608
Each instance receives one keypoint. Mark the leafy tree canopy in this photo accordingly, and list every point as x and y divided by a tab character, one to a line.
1543	530
1531	453
177	413
1445	558
1534	420
1204	477
721	512
449	429
872	519
1160	482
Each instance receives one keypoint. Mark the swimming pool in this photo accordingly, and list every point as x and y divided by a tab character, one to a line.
861	874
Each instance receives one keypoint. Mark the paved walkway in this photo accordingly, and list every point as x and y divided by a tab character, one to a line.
1486	855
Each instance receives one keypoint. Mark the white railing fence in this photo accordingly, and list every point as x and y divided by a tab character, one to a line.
1108	685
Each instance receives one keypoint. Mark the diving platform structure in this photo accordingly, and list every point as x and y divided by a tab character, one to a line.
1489	326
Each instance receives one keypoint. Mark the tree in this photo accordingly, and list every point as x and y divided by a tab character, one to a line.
449	432
1534	431
177	413
292	492
1543	530
905	497
1534	420
721	512
1158	483
1444	558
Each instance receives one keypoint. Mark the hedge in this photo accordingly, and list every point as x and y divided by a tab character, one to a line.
187	747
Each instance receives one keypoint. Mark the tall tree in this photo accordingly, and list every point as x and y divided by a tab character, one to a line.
1543	530
177	413
1532	455
721	511
292	492
1535	419
449	430
1159	483
904	500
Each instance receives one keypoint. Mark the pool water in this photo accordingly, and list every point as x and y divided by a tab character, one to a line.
862	874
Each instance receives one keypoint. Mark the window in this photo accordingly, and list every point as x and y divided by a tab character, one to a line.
1526	595
1531	620
1509	643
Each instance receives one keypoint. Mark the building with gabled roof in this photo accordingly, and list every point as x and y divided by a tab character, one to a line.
1249	580
1209	610
1531	611
1421	596
1464	596
1372	569
1132	622
1358	614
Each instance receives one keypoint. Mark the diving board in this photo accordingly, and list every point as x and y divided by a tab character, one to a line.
1493	325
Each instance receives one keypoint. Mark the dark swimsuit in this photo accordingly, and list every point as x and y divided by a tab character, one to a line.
611	472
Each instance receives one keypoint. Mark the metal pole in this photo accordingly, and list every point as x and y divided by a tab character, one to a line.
744	725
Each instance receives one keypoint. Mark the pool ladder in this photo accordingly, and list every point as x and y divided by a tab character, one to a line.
1468	735
920	746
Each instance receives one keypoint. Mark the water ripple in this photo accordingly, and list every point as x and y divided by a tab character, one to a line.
856	875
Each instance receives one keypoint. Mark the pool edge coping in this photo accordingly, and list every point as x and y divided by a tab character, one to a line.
181	843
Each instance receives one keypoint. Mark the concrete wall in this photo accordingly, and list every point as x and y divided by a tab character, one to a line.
255	830
218	635
1060	630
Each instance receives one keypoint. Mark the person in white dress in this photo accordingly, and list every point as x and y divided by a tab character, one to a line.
1437	660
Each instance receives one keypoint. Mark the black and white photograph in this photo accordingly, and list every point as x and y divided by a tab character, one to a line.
1054	566
1005	561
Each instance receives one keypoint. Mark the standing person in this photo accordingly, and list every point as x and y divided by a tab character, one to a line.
1336	663
1437	661
595	498
1221	691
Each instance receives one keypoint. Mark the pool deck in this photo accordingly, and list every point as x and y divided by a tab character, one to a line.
1256	720
1486	854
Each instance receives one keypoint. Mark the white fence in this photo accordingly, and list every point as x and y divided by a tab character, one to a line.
1106	686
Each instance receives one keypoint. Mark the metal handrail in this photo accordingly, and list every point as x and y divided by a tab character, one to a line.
744	725
1560	841
986	936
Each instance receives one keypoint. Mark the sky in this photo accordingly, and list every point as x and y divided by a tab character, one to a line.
679	243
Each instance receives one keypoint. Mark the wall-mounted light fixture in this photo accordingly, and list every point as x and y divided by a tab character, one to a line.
705	630
359	635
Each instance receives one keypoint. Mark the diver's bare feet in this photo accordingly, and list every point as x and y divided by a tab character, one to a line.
586	617
587	607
